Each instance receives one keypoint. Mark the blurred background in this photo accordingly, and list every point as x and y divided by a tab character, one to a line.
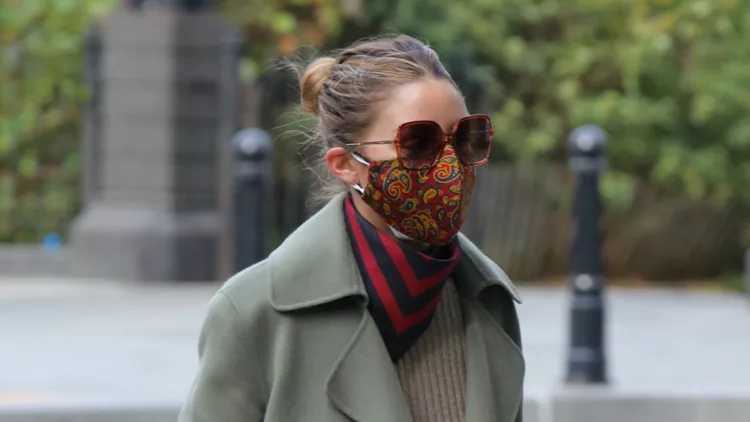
668	80
148	140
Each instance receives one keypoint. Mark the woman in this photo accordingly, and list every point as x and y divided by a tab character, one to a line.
376	308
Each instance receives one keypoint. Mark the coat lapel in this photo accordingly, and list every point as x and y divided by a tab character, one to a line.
364	385
495	365
494	369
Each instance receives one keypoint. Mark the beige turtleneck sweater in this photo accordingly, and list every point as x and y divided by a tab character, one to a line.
433	371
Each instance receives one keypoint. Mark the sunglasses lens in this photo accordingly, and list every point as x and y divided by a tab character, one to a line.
473	139
420	144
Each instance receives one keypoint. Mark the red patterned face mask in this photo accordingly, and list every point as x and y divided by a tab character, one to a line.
426	205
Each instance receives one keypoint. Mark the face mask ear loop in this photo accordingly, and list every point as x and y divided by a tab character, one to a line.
360	159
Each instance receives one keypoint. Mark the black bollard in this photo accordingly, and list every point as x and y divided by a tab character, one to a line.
195	5
586	352
252	196
92	120
184	5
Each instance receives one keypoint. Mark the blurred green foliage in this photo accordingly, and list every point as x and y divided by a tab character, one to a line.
41	92
280	27
668	79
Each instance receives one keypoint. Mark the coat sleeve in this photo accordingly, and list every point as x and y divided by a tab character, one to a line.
519	415
229	386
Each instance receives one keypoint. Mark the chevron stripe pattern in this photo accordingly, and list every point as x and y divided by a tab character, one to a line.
403	284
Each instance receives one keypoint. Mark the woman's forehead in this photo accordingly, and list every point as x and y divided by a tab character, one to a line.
432	100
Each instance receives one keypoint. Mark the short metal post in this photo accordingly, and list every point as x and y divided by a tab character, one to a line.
252	196
195	5
91	121
586	353
184	5
232	47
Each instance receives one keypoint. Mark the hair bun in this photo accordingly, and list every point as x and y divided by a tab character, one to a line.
312	80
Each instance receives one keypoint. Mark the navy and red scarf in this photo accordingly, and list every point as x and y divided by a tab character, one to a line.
403	284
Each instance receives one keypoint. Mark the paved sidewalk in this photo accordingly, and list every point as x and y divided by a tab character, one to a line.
76	341
679	342
130	349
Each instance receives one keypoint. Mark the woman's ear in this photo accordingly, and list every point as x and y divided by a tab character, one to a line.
342	165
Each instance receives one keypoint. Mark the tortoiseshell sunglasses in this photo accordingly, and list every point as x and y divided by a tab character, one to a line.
420	144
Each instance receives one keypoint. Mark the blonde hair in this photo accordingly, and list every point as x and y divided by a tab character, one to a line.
343	93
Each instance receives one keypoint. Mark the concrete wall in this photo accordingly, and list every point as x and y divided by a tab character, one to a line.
152	208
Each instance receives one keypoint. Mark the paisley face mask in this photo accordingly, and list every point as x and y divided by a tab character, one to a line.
426	205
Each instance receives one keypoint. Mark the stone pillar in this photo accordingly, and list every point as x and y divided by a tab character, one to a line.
167	115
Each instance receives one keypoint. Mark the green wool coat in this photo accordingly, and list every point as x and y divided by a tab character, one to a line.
290	339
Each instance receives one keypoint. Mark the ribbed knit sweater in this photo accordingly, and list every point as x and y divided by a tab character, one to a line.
433	371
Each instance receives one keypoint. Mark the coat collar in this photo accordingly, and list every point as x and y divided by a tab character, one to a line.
315	266
302	267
